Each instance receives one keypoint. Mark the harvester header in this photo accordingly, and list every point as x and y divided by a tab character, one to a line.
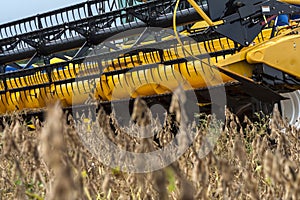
95	48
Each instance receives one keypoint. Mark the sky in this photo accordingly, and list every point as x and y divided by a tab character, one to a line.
11	10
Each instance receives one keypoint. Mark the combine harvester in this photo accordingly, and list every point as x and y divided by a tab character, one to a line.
79	52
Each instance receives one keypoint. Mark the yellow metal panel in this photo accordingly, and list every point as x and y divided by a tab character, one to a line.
295	2
282	54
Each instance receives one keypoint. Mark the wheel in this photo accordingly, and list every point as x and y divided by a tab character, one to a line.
290	108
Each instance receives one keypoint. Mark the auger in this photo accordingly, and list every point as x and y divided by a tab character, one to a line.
82	54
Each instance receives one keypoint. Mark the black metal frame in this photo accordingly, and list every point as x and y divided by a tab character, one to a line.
83	25
54	31
244	19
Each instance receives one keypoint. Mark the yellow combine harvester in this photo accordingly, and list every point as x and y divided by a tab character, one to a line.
254	43
106	84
